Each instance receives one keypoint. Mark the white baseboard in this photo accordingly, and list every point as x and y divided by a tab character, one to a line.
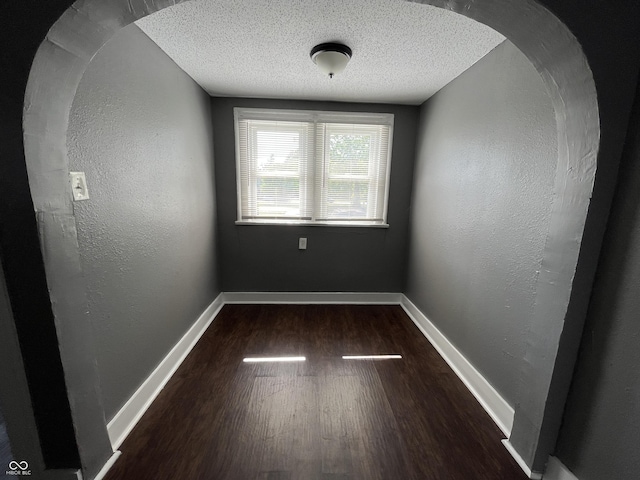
556	470
496	406
103	472
521	462
127	417
308	298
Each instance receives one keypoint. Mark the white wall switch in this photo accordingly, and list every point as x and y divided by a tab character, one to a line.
302	244
79	186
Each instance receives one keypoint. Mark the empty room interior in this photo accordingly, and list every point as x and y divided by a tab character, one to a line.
280	240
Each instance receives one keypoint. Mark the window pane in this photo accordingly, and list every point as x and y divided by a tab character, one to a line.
347	199
349	154
278	196
278	151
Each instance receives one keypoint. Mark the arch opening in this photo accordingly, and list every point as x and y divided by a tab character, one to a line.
549	45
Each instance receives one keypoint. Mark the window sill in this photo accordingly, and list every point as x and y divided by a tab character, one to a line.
295	223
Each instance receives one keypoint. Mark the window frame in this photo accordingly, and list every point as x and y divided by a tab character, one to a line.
369	120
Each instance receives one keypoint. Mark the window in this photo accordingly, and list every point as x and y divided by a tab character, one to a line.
297	166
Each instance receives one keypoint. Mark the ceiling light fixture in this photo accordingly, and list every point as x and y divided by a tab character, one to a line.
331	58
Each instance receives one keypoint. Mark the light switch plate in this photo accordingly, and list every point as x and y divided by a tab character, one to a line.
302	244
79	186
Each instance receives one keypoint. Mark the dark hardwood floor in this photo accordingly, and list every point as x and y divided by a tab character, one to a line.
326	418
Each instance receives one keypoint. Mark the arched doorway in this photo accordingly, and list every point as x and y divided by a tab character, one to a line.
73	40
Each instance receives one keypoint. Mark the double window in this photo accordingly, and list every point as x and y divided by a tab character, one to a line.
312	167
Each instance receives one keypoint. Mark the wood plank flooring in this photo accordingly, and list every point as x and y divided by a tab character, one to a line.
323	419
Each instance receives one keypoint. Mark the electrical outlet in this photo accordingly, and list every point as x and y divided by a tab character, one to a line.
302	244
79	186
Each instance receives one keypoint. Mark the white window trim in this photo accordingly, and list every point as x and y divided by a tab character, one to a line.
315	116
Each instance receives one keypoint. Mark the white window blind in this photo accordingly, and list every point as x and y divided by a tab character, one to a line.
312	167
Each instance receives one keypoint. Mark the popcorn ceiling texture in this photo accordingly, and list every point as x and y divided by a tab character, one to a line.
402	52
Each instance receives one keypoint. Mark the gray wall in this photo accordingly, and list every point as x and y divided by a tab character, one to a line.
601	426
141	130
266	257
485	169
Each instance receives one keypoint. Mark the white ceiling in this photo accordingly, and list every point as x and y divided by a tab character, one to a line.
402	52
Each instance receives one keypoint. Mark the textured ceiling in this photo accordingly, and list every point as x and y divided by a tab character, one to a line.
402	52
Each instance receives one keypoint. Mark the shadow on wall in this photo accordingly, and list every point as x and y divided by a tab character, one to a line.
5	446
601	426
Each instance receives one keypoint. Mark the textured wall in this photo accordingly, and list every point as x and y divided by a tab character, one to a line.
140	128
601	426
480	210
266	257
